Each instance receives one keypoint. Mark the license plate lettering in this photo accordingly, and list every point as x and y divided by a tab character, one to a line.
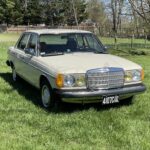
110	100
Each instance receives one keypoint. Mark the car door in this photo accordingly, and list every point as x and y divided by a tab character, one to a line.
19	61
31	71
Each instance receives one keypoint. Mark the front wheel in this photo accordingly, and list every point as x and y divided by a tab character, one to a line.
46	95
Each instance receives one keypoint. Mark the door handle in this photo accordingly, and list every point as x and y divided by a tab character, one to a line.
22	57
13	53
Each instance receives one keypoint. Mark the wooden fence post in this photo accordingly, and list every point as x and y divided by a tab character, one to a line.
132	39
145	43
115	40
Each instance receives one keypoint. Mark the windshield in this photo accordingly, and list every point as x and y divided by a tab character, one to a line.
67	43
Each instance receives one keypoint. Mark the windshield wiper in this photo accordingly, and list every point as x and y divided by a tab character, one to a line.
100	52
52	54
92	50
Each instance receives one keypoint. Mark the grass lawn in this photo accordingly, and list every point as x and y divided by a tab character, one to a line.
9	37
25	125
139	46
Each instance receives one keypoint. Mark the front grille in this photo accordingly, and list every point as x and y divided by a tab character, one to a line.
105	78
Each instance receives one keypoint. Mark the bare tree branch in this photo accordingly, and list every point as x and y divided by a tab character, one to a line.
143	9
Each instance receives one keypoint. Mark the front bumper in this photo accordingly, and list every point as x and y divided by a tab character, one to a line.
87	96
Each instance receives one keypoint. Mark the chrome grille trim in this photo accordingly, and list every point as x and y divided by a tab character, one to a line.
105	78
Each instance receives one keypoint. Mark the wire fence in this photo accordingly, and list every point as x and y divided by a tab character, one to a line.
122	47
126	43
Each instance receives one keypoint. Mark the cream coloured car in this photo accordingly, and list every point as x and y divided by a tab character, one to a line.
73	65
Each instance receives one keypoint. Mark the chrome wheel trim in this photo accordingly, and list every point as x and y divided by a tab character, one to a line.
46	96
14	75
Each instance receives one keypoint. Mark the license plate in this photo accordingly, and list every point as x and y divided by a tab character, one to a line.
110	100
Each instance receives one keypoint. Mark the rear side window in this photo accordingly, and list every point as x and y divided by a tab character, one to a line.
23	42
32	42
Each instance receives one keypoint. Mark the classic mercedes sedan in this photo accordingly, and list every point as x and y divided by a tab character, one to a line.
73	66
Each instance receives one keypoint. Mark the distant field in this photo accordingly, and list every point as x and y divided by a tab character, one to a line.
124	40
128	44
24	125
9	36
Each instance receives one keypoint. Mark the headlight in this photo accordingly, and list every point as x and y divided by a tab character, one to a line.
134	75
70	80
80	80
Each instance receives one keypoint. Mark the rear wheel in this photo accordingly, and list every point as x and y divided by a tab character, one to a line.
14	74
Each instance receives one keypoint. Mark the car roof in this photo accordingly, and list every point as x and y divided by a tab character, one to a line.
56	31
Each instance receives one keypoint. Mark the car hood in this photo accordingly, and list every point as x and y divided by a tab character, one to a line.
81	62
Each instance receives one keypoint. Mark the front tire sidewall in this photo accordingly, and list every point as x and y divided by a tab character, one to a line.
46	95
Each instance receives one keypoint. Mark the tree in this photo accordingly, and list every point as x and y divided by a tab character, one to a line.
50	12
80	10
72	8
53	12
96	12
142	8
8	6
17	15
2	11
116	8
32	12
61	12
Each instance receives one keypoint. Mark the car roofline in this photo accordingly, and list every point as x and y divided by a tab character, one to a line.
56	31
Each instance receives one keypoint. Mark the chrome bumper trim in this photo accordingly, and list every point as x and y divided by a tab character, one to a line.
91	96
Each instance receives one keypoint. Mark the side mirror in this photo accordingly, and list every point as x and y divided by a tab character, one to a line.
107	47
29	51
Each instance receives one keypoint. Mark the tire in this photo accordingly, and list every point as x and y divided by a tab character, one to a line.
14	74
47	97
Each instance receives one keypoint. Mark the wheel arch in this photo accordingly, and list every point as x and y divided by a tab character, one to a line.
43	78
11	64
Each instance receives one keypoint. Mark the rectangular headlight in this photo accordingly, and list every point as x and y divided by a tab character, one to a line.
134	76
70	80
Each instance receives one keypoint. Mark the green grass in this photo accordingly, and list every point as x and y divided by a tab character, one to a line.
25	125
139	46
9	37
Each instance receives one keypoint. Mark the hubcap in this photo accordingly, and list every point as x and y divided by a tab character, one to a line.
14	74
46	96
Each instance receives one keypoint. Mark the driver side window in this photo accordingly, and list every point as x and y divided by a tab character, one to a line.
92	43
32	44
23	42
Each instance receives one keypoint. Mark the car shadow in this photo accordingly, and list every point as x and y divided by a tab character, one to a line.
32	94
23	88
